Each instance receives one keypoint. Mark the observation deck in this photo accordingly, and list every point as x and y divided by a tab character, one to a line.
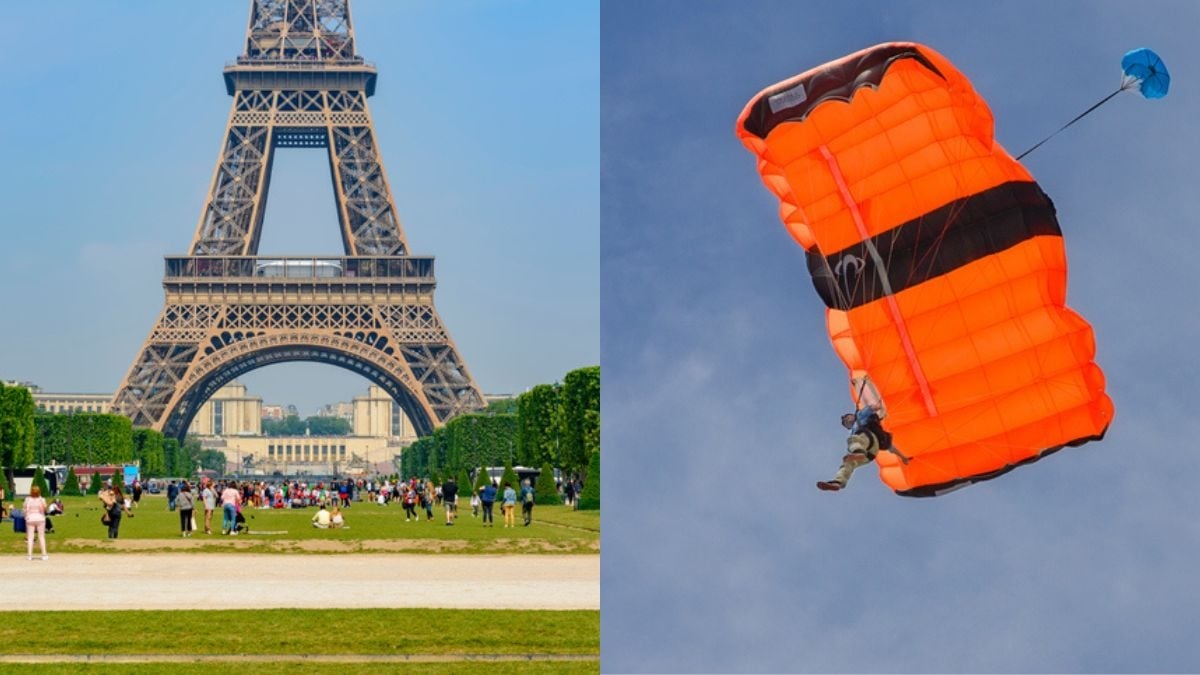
298	278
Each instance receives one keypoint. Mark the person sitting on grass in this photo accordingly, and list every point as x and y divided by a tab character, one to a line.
322	519
336	520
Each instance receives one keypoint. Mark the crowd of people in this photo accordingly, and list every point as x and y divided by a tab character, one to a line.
417	497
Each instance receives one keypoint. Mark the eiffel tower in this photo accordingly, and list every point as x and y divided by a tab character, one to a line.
299	84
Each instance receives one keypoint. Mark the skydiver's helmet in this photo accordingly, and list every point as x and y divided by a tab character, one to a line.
848	420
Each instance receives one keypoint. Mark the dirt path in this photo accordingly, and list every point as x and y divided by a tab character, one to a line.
76	581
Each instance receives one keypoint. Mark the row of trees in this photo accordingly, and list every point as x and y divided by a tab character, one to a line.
316	425
17	431
28	437
553	425
161	457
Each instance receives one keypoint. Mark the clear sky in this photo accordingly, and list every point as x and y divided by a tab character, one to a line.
722	394
487	116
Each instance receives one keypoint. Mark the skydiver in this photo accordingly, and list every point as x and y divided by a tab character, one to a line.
867	438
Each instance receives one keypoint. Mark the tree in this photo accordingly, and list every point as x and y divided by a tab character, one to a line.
71	486
590	499
213	460
509	476
481	479
501	406
545	490
291	425
538	433
581	417
39	480
97	481
17	431
170	452
148	450
328	426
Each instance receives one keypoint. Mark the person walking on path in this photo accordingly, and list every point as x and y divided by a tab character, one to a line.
35	521
230	498
527	499
186	502
510	505
487	497
209	495
450	499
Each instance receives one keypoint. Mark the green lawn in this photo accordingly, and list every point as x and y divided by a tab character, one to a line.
372	528
463	667
294	632
470	639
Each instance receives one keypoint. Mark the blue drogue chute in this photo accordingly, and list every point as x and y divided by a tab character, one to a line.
1141	69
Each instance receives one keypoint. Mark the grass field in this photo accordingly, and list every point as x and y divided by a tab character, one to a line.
371	528
310	640
307	641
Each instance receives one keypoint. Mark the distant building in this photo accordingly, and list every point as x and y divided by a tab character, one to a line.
64	403
229	412
340	410
272	412
69	403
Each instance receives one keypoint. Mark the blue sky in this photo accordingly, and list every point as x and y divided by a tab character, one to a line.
722	394
487	116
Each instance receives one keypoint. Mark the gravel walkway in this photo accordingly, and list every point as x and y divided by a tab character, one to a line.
78	581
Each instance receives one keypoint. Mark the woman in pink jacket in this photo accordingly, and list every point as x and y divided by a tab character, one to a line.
35	520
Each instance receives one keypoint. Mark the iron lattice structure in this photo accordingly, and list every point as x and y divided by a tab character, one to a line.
299	83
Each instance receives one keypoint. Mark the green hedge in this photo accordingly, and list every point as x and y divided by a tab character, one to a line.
590	499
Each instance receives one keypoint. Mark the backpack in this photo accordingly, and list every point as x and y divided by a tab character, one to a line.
883	438
528	496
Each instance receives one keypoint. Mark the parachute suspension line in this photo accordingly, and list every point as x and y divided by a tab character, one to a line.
893	308
1125	84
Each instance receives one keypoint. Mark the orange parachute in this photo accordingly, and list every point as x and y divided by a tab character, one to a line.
940	260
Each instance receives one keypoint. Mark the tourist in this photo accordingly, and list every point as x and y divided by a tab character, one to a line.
322	519
410	504
55	508
569	491
35	521
487	497
427	499
336	519
510	505
450	499
527	499
114	507
475	503
137	492
172	493
186	502
209	495
230	500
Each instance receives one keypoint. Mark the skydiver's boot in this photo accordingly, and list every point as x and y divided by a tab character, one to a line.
850	462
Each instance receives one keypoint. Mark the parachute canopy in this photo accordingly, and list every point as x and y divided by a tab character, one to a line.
940	262
1143	68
